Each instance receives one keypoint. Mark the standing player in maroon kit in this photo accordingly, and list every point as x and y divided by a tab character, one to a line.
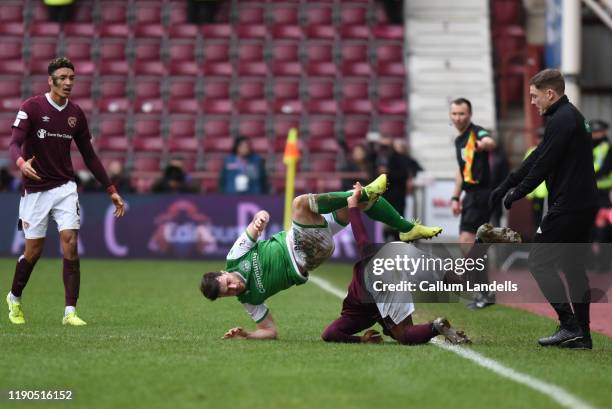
42	133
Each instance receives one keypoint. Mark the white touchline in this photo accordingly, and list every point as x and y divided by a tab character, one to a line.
554	392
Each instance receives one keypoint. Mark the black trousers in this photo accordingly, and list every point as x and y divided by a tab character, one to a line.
562	244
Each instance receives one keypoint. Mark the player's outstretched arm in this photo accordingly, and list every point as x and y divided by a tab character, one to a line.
258	224
266	329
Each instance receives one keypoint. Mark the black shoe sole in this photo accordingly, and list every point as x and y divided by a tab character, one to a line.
560	344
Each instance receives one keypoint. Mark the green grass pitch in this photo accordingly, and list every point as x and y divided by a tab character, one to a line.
154	342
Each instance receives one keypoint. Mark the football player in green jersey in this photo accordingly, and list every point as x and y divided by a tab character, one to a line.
256	270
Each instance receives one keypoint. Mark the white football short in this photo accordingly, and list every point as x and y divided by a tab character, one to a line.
60	203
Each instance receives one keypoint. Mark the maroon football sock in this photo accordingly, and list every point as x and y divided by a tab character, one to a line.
418	334
23	269
72	281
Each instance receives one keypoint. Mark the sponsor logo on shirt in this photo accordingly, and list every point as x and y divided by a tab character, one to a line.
257	274
72	121
45	119
42	133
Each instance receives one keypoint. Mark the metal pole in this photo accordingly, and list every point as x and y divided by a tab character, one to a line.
571	50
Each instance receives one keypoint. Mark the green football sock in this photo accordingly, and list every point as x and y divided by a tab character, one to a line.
382	211
328	202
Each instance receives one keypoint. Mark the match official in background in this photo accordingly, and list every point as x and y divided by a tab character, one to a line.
42	134
564	159
472	146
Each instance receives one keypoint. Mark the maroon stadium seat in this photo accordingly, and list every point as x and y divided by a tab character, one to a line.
218	144
321	69
389	53
320	89
39	84
118	143
286	69
113	67
112	125
44	29
507	12
319	14
144	127
355	127
12	67
216	51
216	89
217	127
286	32
357	106
42	49
12	29
112	87
251	51
390	89
113	30
182	51
86	30
147	89
320	32
252	106
252	127
11	13
183	106
356	69
188	145
112	50
209	31
354	89
183	88
218	69
391	69
147	50
322	164
79	50
11	50
156	68
357	32
9	88
186	31
285	14
251	31
320	52
322	106
250	13
252	68
215	165
83	12
113	12
321	129
113	105
394	126
286	89
178	17
147	163
10	104
251	89
285	51
182	127
185	68
148	12
217	106
148	144
81	89
354	15
389	32
354	52
288	107
149	31
281	127
148	105
261	145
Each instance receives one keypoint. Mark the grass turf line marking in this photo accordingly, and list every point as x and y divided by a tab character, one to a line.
554	392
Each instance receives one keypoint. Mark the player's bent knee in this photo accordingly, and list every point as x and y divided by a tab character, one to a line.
328	335
300	203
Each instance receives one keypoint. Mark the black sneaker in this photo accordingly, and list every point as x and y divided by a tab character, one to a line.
482	300
561	337
582	343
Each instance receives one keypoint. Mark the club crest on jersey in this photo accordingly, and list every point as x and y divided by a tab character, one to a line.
41	133
72	121
45	119
245	265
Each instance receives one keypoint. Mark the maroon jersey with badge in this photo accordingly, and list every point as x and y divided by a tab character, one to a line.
45	130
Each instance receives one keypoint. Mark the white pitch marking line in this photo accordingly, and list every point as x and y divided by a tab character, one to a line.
554	392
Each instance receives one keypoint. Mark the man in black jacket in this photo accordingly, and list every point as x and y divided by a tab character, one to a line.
564	159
